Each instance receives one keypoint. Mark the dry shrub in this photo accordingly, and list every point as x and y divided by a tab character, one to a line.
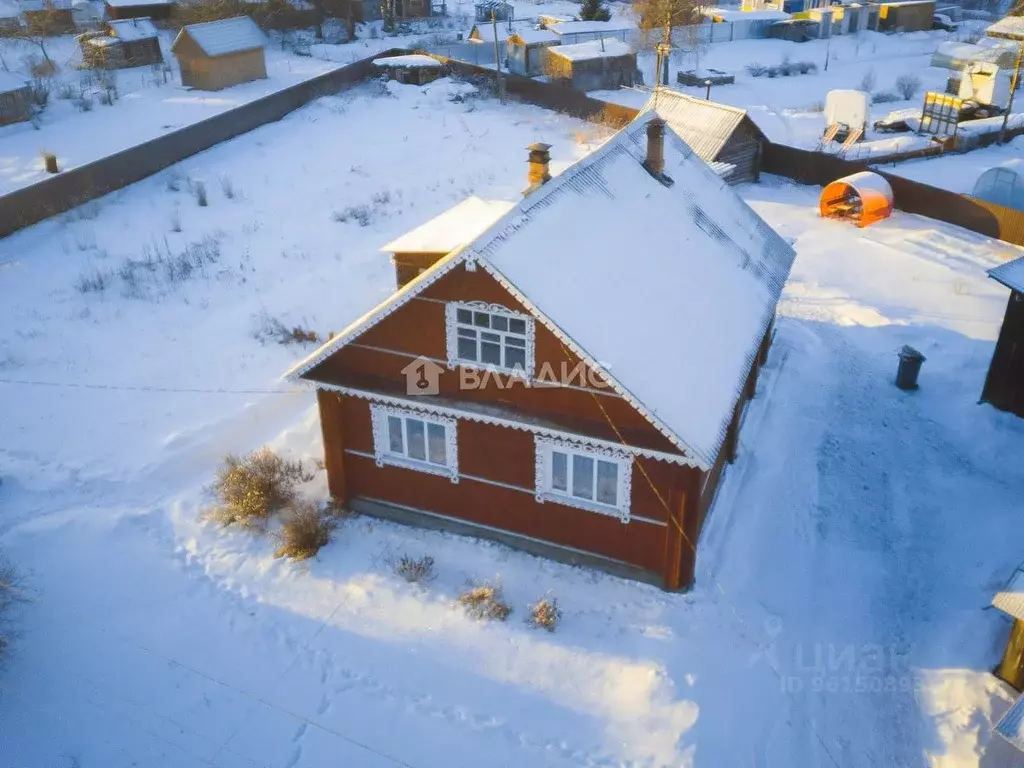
484	602
249	489
416	570
9	595
545	614
305	530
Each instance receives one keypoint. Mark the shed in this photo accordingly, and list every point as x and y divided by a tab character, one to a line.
48	17
524	50
1010	28
747	24
486	32
905	15
1004	385
862	197
123	43
593	65
15	99
220	54
570	32
1011	724
956	56
131	9
412	69
498	10
1002	184
1010	600
10	15
717	133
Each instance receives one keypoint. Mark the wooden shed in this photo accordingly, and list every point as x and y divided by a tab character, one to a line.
1011	602
473	399
1004	385
717	132
48	17
592	66
220	54
524	50
132	9
122	43
15	99
905	15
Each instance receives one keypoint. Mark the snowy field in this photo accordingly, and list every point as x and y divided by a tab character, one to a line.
839	612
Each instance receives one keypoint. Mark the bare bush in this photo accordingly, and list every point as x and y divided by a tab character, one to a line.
94	281
545	614
83	103
485	602
175	219
39	91
360	214
173	181
160	266
867	83
10	593
272	329
884	97
305	530
250	489
199	190
415	570
66	91
756	69
908	85
227	186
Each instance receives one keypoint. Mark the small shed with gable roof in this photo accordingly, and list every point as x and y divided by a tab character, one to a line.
135	9
524	50
220	54
593	65
123	43
1004	385
15	99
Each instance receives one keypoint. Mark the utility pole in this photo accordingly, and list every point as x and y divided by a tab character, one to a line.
497	57
1013	89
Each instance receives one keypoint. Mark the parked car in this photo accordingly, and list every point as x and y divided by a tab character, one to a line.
943	22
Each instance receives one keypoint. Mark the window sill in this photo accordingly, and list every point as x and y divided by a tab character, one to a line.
418	466
589	506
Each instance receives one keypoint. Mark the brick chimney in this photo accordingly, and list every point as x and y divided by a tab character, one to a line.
539	172
655	160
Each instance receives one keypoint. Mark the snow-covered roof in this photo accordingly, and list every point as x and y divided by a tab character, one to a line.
9	9
133	29
11	82
592	49
452	229
136	3
671	286
734	14
534	36
484	32
589	27
1011	274
412	60
705	125
1011	724
45	5
220	38
1011	27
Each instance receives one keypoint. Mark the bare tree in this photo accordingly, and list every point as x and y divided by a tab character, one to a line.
670	23
39	26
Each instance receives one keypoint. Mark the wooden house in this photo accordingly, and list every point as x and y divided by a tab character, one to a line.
717	132
132	9
48	17
1004	385
122	43
524	50
591	66
15	99
519	388
220	54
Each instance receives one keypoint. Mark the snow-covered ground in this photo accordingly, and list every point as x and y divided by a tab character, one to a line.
839	613
959	172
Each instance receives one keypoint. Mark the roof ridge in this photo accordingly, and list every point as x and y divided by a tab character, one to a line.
662	90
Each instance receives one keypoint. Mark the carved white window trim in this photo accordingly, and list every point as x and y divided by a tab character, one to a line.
452	343
379	414
542	467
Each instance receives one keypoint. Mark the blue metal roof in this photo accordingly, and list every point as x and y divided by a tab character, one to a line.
1011	726
1010	274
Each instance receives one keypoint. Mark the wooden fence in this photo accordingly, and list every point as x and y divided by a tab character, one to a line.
29	205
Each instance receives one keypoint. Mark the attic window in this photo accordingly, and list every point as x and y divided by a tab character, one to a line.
490	336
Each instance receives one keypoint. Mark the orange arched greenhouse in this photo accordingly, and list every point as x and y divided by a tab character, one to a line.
862	198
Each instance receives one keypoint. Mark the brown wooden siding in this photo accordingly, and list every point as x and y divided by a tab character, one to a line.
1004	385
213	74
505	455
743	149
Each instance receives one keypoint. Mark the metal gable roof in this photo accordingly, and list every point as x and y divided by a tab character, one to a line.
1011	599
705	125
220	38
1010	274
1011	725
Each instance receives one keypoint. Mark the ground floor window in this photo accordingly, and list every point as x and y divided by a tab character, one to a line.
415	440
589	477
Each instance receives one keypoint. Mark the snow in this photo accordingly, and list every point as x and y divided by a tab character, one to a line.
864	181
589	27
1009	26
843	574
534	36
131	30
457	226
592	49
959	172
735	14
11	82
1011	599
415	60
220	38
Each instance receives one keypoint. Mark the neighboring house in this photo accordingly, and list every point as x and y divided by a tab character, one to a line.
717	132
220	54
122	43
524	50
15	99
48	17
411	69
494	9
570	32
415	252
1011	602
592	66
130	9
1004	385
572	380
905	15
485	33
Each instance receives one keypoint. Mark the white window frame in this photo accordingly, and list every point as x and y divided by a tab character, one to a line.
545	447
452	336
383	454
